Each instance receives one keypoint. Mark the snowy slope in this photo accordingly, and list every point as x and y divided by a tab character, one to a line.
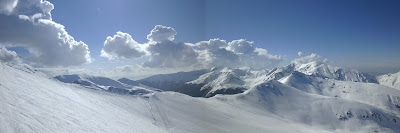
368	93
32	102
222	81
122	86
391	80
175	77
330	113
88	80
129	82
177	82
324	70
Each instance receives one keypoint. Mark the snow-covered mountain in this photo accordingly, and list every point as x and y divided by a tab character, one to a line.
122	86
32	102
367	93
324	70
177	82
208	83
391	80
221	81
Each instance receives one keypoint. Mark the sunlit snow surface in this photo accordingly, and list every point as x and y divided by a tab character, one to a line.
391	80
33	102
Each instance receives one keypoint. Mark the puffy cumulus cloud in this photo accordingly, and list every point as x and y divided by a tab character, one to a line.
309	58
9	56
212	44
218	58
162	52
241	46
169	54
161	33
29	25
237	53
122	45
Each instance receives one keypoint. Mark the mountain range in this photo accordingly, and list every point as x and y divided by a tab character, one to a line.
309	97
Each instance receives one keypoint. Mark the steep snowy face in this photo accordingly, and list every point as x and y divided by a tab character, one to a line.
390	80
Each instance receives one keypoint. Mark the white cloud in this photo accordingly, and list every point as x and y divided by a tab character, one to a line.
164	53
161	33
235	54
169	54
309	58
128	69
212	44
218	58
241	46
7	6
122	45
9	56
29	25
301	54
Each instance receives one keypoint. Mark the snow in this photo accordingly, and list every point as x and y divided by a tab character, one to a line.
324	70
32	102
95	81
175	77
390	80
279	100
208	83
221	80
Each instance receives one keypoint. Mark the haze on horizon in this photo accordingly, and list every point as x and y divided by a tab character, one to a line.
122	38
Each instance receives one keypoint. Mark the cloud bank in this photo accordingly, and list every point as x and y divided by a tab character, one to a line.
28	23
163	52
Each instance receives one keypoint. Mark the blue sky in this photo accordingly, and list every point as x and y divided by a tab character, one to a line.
361	34
342	31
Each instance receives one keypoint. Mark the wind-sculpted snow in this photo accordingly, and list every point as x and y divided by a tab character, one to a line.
33	102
